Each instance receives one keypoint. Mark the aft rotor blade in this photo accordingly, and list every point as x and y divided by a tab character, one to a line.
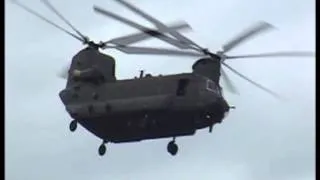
162	27
247	34
155	51
50	6
138	26
137	37
46	20
229	84
276	54
251	81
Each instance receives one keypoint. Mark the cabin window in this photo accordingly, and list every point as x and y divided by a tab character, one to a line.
90	109
182	87
76	88
107	107
75	96
95	96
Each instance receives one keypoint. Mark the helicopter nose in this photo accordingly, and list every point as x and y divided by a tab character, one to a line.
225	105
222	106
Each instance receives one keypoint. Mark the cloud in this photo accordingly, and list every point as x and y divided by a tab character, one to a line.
262	139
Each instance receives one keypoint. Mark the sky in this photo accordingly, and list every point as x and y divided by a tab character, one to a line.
263	138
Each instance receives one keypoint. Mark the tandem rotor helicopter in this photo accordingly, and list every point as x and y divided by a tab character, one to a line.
149	107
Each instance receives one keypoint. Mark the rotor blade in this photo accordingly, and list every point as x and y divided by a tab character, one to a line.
229	84
162	27
140	36
155	51
275	54
50	6
46	20
252	82
139	27
245	35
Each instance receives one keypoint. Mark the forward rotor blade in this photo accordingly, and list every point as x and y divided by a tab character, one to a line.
276	54
162	27
46	20
252	82
155	51
140	36
229	84
50	6
247	34
139	27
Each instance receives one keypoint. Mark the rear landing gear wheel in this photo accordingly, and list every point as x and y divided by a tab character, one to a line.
73	125
172	148
102	149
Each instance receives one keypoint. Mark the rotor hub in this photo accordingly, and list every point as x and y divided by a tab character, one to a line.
94	45
215	56
206	51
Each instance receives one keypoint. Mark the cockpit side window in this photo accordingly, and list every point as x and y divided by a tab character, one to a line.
182	87
211	86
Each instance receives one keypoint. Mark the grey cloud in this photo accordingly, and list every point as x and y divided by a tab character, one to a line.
262	139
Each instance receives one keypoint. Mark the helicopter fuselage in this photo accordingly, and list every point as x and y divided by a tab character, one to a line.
146	108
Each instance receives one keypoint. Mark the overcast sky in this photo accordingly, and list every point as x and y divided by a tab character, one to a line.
263	139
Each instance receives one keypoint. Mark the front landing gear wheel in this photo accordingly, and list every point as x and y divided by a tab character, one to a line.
73	125
172	148
102	149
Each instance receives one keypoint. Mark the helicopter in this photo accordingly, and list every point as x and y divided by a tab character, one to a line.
150	107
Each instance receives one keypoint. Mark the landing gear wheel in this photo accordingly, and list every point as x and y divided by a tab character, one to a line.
73	125
172	148
102	149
